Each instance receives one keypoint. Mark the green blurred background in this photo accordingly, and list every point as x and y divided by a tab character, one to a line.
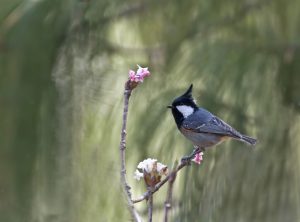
63	65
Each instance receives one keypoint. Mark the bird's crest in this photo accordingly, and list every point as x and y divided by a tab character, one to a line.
188	93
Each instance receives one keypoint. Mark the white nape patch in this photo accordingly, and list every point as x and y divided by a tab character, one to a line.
185	110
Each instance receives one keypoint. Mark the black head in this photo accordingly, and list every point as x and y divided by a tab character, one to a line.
183	106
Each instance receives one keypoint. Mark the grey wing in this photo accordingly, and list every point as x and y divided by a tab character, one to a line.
208	123
200	117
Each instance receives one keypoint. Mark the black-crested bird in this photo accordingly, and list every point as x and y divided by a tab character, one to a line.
200	126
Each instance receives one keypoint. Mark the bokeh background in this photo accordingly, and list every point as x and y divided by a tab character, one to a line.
63	65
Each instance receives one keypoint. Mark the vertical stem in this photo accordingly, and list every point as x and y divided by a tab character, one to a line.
168	202
124	182
150	207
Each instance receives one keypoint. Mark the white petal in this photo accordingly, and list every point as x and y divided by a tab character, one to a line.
160	167
147	165
138	175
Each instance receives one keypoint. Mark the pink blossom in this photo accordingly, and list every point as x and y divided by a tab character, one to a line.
139	75
143	72
131	75
198	158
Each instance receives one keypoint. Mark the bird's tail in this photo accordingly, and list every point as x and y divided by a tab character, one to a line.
249	140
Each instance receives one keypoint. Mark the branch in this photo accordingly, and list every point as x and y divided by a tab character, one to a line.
126	187
150	205
147	194
168	202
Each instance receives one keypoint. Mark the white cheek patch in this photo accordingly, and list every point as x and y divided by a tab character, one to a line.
185	110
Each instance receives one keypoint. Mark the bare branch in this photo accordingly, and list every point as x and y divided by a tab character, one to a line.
150	205
126	187
168	202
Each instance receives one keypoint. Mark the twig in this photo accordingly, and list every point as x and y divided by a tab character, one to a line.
150	205
168	202
126	187
147	194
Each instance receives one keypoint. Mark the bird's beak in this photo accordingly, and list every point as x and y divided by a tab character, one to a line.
170	106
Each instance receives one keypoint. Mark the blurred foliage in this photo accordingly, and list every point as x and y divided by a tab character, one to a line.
63	67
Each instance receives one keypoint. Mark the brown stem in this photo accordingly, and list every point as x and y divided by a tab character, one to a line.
124	182
147	194
150	206
168	202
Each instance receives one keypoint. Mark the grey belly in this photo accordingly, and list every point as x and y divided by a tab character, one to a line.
203	139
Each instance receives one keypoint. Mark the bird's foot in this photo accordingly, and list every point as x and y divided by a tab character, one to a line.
187	159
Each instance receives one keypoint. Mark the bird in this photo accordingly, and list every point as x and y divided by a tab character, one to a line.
200	126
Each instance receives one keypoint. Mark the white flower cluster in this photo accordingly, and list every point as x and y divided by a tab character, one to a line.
150	167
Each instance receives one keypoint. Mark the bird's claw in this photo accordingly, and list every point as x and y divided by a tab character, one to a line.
187	159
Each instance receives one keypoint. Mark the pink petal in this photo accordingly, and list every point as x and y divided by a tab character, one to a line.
138	78
198	158
143	72
139	75
131	75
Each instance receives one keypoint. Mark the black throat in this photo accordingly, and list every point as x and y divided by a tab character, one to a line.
179	118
